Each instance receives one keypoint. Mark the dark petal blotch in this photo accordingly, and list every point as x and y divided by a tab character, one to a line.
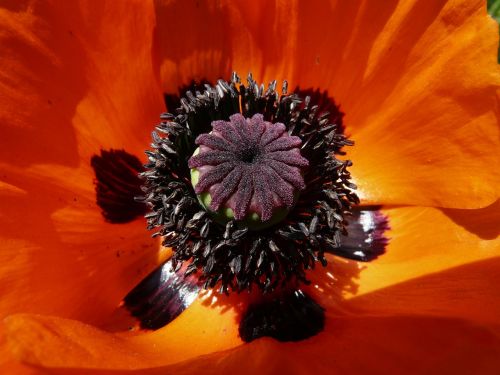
116	185
161	296
366	240
293	316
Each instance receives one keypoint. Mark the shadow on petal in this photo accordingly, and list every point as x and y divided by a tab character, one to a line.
370	345
484	222
466	292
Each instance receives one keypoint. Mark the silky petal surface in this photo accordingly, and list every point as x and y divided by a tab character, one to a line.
75	78
59	256
437	263
446	301
69	343
417	81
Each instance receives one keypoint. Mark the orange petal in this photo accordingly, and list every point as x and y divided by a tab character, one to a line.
58	254
383	345
436	264
417	81
22	369
375	345
427	240
423	335
468	291
76	78
200	330
210	40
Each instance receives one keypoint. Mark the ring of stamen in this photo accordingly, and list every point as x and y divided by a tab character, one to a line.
229	256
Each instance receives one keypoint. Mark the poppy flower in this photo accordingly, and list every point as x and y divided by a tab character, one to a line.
83	84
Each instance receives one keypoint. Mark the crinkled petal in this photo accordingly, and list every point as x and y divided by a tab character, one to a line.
373	345
431	297
435	264
69	343
417	81
75	78
59	255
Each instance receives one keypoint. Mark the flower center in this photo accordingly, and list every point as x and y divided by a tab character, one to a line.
244	185
249	155
251	170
